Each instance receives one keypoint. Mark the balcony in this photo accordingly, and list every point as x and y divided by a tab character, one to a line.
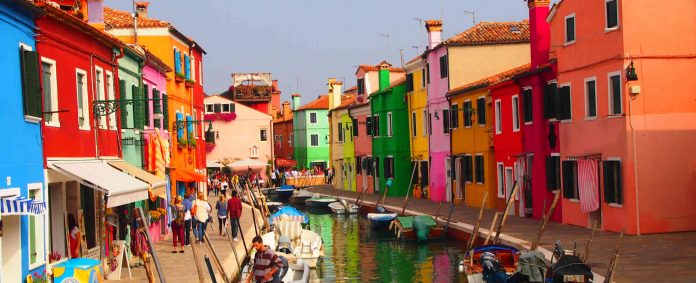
252	93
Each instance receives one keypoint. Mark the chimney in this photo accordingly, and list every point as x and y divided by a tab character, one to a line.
540	32
285	109
383	75
141	9
434	28
95	13
334	93
275	95
295	101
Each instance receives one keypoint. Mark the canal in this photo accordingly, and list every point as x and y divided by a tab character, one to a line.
354	252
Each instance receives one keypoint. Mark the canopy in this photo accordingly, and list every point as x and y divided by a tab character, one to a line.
282	162
157	184
21	206
247	163
187	176
120	187
213	164
290	211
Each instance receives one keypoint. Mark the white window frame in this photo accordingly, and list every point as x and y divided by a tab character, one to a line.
111	95
587	98
85	100
40	230
425	122
193	66
389	124
500	178
211	105
498	117
515	101
569	85
316	118
565	29
606	17
200	71
254	152
310	140
260	131
100	93
55	119
609	94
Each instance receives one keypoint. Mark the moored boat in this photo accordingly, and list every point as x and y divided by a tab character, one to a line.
337	208
299	196
288	237
284	191
289	213
273	206
380	220
319	201
342	207
297	272
419	227
491	263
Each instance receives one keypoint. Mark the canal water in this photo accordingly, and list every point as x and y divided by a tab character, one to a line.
353	252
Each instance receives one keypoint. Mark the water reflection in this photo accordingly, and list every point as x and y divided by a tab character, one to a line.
353	252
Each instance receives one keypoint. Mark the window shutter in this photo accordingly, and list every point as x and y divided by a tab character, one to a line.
569	171
375	124
177	61
454	115
551	174
232	108
355	127
425	180
179	132
445	121
549	101
31	83
612	14
187	66
527	100
481	111
124	106
137	108
189	127
608	183
156	102
165	109
616	94
443	66
409	82
146	106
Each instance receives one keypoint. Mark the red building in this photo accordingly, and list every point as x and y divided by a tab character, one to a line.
283	136
198	106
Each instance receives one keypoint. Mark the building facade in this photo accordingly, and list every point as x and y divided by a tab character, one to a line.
362	144
311	133
283	136
417	95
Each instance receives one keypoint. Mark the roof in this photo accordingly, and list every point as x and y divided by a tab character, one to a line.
284	118
80	26
321	103
492	33
489	81
352	89
347	102
375	68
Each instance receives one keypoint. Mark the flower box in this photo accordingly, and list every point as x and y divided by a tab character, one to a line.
190	83
227	117
180	77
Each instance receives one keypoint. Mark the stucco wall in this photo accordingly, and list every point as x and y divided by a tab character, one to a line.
471	63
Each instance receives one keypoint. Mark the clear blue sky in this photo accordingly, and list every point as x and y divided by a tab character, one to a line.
313	40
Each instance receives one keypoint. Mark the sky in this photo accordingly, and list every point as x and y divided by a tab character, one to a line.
305	42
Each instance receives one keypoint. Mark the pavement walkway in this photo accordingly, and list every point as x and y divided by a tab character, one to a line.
646	258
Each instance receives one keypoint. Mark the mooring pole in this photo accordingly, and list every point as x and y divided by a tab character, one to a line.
474	233
216	260
586	255
152	247
507	210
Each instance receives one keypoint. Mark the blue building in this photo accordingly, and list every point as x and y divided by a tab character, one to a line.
22	191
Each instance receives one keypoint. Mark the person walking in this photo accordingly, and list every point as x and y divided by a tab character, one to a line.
273	178
178	212
188	218
234	212
224	185
201	211
266	263
221	207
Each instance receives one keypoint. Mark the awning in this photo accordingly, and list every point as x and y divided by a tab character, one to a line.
187	176
157	184
285	162
247	163
213	164
21	206
120	187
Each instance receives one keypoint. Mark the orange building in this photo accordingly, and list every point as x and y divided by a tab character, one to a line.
629	114
184	97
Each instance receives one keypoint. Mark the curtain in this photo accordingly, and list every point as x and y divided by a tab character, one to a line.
588	182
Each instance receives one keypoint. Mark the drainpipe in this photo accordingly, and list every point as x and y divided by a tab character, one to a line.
635	163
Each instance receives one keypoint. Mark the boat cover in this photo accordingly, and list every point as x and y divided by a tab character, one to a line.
422	225
285	188
570	265
407	221
291	229
291	212
533	265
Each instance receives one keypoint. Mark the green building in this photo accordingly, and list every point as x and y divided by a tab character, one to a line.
390	132
311	132
130	70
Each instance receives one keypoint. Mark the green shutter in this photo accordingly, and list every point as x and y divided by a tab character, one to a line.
165	109
124	110
31	83
156	102
146	106
137	108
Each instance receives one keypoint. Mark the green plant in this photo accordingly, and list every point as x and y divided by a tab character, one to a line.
181	75
190	81
183	142
192	143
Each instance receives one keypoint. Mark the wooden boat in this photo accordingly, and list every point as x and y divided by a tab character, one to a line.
284	191
380	220
409	228
274	205
319	201
299	196
297	272
503	257
342	207
288	237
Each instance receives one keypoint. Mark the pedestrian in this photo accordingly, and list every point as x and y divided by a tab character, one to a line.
201	212
188	218
221	207
266	263
178	213
273	178
234	211
223	186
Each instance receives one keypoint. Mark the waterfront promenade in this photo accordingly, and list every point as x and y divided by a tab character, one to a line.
647	258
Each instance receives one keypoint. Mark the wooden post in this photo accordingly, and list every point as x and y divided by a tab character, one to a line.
547	217
148	268
234	251
199	269
508	205
253	214
614	260
144	224
437	214
216	260
210	269
408	191
490	231
474	233
586	255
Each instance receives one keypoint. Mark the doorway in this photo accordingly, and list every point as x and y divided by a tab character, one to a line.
448	178
509	188
10	242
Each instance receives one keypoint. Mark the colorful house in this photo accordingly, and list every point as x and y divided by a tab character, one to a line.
283	136
627	113
311	137
417	92
484	50
343	128
156	134
23	247
391	139
134	116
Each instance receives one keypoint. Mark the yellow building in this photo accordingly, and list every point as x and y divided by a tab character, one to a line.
472	145
417	95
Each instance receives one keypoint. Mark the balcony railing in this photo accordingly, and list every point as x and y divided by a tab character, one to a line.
252	93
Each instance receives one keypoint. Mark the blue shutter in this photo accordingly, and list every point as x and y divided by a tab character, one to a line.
187	66
179	132
177	61
189	128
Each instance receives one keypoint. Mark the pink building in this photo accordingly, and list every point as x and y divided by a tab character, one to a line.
155	76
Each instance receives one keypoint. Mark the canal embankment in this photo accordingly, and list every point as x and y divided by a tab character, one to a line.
645	258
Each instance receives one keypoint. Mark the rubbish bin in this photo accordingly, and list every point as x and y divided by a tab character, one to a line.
77	270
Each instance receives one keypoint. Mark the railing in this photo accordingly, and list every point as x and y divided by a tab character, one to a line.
252	93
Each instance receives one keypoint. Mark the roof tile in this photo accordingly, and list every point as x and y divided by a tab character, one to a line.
321	103
493	32
122	19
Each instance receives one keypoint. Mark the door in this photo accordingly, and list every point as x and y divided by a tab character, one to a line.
363	171
11	253
375	165
457	178
448	178
509	188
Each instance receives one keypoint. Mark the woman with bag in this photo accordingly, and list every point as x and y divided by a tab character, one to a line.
178	212
201	210
221	207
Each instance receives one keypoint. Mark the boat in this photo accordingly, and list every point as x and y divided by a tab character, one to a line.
274	205
284	191
342	207
299	196
289	238
298	272
319	201
379	220
491	263
419	227
568	268
291	213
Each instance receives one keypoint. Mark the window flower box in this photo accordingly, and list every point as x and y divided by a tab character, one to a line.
180	77
209	146
227	117
189	83
181	143
192	143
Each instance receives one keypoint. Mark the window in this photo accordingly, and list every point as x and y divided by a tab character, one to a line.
500	171
479	169
31	83
389	124
427	70
368	125
445	121
498	117
82	100
36	229
515	113
187	66
209	108
263	135
413	123
312	118
375	126
389	167
217	108
553	172
228	108
570	29
409	82
612	182
423	77
615	103
430	124
425	122
254	152
111	95
454	115
467	168
612	14
340	132
468	112
563	105
424	174
570	179
314	140
355	127
527	105
99	81
443	66
193	67
481	111
414	172
200	71
590	97
49	92
361	86
177	61
550	94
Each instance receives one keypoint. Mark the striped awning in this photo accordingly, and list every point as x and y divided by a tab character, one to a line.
21	206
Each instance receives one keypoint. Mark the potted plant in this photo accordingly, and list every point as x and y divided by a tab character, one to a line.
209	146
192	143
189	83
155	215
182	143
180	77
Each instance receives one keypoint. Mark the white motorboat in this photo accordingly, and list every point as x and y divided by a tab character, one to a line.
342	207
319	201
299	196
288	237
337	208
293	271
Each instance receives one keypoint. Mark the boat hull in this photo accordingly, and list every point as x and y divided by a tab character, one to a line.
284	194
318	203
299	199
